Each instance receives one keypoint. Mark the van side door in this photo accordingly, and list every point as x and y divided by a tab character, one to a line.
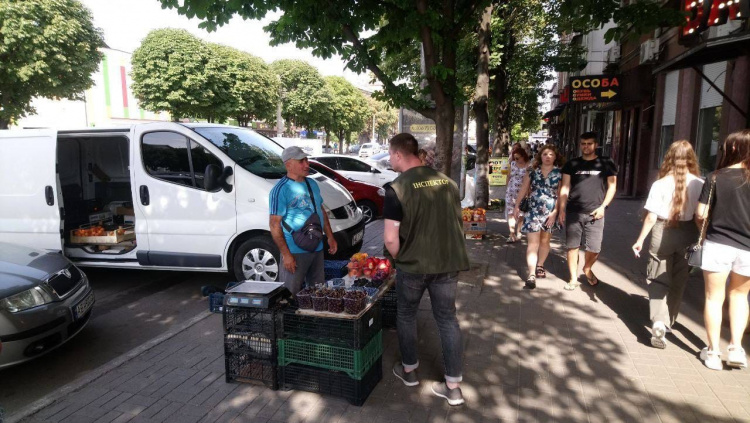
30	204
188	226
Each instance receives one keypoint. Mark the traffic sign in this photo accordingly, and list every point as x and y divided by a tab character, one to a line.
595	88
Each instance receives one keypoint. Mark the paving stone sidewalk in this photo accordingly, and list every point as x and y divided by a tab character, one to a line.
544	355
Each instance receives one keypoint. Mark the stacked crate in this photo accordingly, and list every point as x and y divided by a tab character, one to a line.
335	356
250	344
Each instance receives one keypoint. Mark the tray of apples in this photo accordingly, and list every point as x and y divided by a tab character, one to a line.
375	268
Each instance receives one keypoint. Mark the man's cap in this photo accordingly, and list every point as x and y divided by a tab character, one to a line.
293	152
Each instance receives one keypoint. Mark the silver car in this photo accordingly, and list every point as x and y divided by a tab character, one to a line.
44	301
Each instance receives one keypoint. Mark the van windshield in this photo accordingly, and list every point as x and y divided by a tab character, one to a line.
252	151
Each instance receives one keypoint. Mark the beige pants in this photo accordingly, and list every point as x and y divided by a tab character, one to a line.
668	269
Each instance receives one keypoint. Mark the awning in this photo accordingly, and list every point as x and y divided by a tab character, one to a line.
711	51
554	112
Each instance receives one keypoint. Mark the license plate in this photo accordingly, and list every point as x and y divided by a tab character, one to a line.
83	306
358	237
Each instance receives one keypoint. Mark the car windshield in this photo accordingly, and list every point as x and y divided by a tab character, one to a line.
254	152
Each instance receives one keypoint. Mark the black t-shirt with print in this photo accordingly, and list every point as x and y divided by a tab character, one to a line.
588	183
392	206
729	214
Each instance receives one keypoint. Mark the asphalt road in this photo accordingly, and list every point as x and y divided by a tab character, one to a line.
132	307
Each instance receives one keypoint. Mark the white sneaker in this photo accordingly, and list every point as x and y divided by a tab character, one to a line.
736	356
657	335
712	359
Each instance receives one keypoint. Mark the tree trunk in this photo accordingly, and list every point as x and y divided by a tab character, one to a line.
328	138
341	142
4	123
500	94
480	110
445	118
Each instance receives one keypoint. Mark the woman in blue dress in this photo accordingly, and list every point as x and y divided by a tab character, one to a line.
542	183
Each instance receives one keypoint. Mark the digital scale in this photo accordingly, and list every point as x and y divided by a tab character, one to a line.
256	294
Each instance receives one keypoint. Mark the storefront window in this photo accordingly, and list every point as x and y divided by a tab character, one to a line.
666	139
709	121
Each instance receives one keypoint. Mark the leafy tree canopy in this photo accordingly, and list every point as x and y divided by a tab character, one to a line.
305	97
348	111
48	48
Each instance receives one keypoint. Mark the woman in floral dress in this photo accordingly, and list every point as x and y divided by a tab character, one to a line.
543	181
519	163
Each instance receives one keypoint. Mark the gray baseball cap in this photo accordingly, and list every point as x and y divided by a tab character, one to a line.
293	152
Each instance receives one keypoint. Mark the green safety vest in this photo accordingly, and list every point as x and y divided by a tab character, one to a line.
431	232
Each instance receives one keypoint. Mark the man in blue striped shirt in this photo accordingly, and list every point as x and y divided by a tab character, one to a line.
291	205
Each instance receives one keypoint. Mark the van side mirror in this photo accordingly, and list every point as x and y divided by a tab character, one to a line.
215	178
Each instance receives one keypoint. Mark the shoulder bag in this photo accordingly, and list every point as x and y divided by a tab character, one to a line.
523	205
308	238
694	253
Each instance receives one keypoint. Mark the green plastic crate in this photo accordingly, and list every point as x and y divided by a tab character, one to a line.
355	363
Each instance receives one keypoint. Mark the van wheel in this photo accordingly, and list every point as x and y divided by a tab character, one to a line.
257	259
369	211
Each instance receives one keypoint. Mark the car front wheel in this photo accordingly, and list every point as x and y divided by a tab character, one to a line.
257	259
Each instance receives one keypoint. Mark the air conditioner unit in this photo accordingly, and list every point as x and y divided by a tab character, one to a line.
613	54
649	51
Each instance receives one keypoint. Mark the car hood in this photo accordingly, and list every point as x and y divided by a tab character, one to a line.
334	194
22	268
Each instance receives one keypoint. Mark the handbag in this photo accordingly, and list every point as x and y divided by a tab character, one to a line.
308	238
694	253
524	205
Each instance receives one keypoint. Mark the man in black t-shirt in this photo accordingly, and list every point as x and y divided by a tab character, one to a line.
589	185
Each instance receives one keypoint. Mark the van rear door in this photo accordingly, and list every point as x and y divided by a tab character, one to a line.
29	189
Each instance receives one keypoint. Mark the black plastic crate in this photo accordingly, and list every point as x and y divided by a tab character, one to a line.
216	302
339	332
329	382
335	268
242	367
252	345
248	320
389	299
389	319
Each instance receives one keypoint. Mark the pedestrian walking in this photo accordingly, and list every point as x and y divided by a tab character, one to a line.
670	205
518	168
424	236
725	202
588	186
296	208
542	182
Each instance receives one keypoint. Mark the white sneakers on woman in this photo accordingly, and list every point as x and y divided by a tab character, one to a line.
735	358
712	359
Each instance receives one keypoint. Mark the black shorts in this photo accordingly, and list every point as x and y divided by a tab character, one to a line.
582	231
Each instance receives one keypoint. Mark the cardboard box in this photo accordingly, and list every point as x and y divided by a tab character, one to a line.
474	236
475	228
100	217
124	211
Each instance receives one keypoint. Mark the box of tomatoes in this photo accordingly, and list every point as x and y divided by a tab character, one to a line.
97	234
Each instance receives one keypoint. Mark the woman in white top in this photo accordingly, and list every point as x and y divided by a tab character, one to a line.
670	206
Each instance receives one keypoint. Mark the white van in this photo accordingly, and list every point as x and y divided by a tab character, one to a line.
198	195
368	149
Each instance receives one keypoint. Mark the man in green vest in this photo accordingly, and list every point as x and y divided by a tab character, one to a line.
424	235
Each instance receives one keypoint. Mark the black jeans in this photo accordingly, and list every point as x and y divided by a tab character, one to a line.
442	288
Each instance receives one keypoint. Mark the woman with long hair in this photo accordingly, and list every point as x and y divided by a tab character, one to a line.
726	250
518	165
670	206
542	182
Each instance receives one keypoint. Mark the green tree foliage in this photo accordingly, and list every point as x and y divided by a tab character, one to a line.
254	88
305	97
386	118
171	73
48	48
364	34
176	72
348	111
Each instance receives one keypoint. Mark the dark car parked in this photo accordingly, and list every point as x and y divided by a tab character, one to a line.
369	197
44	301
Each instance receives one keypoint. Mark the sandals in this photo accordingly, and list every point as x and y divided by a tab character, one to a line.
530	282
593	280
540	272
511	239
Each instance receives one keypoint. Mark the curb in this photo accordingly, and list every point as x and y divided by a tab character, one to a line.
101	370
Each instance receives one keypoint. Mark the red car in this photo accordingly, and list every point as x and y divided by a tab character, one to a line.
368	197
